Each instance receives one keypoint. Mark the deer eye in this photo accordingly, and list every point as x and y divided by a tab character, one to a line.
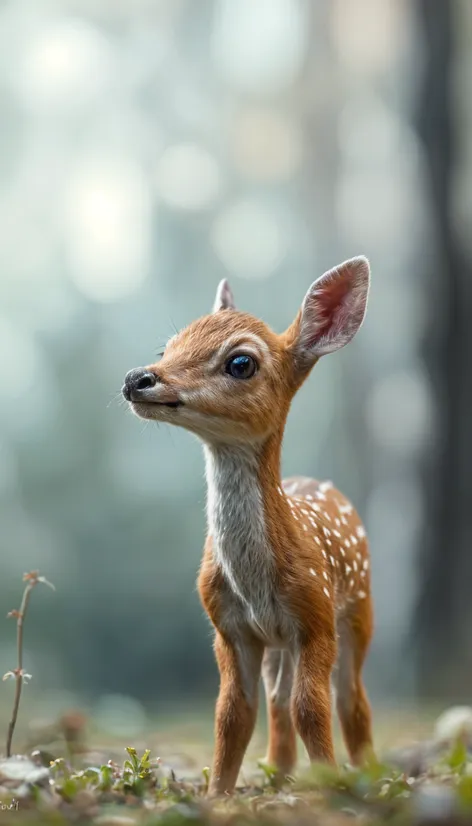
241	367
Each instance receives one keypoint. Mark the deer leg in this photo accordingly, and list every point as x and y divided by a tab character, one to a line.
239	664
277	674
311	698
355	631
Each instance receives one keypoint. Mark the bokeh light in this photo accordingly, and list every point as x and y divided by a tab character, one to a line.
249	238
107	221
259	47
267	145
63	64
400	411
187	177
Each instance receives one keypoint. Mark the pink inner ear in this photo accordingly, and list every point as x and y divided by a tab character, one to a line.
334	307
330	306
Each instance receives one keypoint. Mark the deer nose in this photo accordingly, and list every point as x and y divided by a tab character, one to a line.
137	381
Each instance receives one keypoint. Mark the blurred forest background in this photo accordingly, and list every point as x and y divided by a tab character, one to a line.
149	148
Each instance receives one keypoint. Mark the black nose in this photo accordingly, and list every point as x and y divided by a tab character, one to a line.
137	381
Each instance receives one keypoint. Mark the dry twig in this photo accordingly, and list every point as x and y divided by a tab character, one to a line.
32	579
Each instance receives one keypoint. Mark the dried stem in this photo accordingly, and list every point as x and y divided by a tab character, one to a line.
32	579
19	674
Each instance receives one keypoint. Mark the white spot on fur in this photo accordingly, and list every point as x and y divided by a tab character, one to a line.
312	572
326	592
326	485
360	532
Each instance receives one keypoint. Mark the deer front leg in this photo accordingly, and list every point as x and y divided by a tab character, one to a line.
277	674
239	663
311	699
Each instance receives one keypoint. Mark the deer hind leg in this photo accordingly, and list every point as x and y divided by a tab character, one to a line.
311	696
355	632
277	674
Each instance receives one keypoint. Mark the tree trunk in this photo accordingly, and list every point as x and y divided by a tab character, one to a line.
443	622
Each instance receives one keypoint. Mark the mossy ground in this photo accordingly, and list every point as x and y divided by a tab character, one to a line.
162	778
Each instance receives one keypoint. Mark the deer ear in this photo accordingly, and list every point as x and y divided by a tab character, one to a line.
224	299
333	309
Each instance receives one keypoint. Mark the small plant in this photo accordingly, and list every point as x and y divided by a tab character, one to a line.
18	674
137	771
457	758
271	774
206	777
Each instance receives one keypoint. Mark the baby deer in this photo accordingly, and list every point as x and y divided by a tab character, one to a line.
285	573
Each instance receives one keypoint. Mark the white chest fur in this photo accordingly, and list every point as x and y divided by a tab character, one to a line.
236	522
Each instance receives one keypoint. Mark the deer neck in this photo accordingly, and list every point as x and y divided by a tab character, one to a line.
243	481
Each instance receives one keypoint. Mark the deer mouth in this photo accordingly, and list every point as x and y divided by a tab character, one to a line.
170	404
152	403
156	411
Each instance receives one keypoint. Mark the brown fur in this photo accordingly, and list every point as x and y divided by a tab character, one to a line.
235	715
310	713
318	553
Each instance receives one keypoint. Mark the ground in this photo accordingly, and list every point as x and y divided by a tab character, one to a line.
83	776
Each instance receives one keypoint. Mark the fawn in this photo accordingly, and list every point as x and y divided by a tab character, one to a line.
285	574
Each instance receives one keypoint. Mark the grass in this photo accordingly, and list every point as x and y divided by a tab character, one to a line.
108	783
